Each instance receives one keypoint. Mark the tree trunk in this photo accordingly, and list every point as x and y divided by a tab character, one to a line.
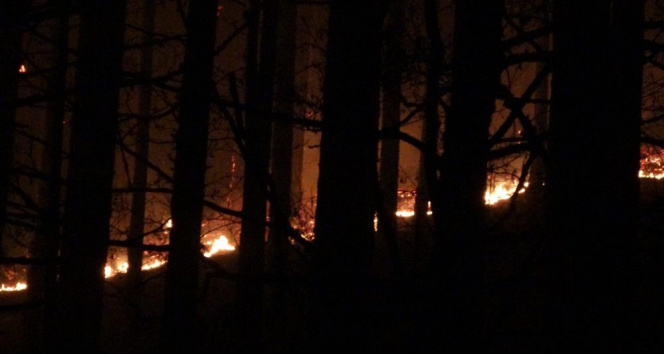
476	68
45	245
593	186
77	314
9	66
260	92
281	205
537	173
391	117
137	222
348	176
179	330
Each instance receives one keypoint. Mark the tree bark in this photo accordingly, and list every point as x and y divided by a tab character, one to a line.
179	327
139	182
460	213
77	313
261	61
46	243
281	205
348	176
9	66
593	186
391	117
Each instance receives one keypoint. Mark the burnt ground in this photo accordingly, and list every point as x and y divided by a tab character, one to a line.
515	295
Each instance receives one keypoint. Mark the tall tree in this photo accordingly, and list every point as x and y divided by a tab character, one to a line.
10	15
540	113
476	67
179	332
139	182
283	134
77	313
46	242
593	188
391	103
390	119
348	175
261	61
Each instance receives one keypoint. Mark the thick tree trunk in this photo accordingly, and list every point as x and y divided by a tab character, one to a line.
77	314
391	116
593	187
431	125
260	92
476	68
46	243
139	182
348	176
282	145
179	330
540	119
9	65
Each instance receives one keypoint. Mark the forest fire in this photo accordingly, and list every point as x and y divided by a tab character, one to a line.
652	166
213	245
501	190
18	286
496	191
652	160
406	204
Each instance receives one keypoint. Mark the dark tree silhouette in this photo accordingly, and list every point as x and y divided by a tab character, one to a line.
390	120
391	103
348	176
261	61
139	181
179	330
46	242
592	186
10	51
282	156
77	313
458	200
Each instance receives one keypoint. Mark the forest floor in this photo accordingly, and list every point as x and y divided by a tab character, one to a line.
515	295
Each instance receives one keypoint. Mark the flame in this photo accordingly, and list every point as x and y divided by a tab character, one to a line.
652	163
217	245
22	69
19	286
406	204
652	166
495	192
501	191
214	245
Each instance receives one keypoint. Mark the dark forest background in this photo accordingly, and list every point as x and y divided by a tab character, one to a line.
290	176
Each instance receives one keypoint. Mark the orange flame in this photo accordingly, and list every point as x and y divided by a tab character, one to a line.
213	246
18	286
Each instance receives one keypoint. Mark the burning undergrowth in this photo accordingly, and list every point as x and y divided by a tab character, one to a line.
213	243
500	187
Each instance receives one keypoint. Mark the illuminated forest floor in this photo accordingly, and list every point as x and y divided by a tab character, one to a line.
514	312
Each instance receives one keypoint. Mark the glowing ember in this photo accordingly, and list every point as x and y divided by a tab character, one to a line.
217	245
406	204
652	163
213	246
504	190
652	166
16	287
23	69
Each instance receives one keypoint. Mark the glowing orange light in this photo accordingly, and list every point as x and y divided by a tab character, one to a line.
19	286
